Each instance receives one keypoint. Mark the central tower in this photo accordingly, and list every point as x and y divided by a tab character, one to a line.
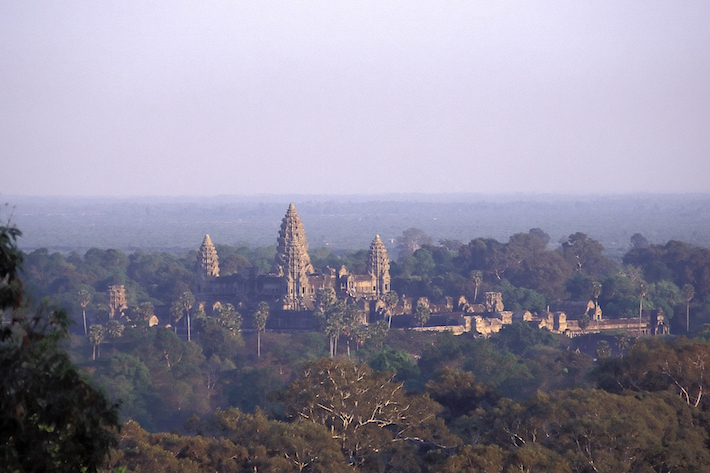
207	264
292	261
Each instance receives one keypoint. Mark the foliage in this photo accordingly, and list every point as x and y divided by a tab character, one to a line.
229	318
422	315
238	443
519	338
590	429
97	333
651	365
520	298
395	361
126	378
51	417
410	241
259	321
459	393
586	255
367	412
515	397
256	389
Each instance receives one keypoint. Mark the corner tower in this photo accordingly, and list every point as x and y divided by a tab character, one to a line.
207	263
292	261
378	267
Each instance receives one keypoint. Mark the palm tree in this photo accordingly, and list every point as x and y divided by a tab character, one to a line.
688	294
229	318
477	277
144	311
114	330
359	334
260	316
334	325
187	300
603	349
351	321
596	292
84	299
390	299
583	321
422	314
102	311
622	341
176	313
326	299
641	291
96	337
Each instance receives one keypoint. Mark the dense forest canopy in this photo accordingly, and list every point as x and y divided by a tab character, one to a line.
529	270
239	398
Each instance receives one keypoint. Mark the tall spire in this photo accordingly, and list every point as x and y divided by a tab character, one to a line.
292	260
207	260
378	266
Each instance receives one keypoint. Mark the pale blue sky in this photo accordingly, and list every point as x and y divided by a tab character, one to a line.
242	97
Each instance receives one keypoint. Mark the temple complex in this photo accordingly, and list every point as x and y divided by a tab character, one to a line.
293	286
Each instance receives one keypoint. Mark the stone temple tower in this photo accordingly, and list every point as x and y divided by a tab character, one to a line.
207	264
378	267
117	301
292	261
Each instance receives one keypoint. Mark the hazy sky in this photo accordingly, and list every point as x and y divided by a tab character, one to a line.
239	97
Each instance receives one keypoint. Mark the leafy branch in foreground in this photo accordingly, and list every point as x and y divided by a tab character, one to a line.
51	417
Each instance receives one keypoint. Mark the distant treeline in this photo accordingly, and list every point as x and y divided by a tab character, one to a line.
528	269
179	224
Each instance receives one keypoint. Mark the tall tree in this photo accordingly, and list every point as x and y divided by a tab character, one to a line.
688	294
260	316
641	290
187	300
84	299
96	337
114	330
334	326
603	349
477	278
230	318
176	313
583	322
622	342
421	315
586	255
410	241
367	412
351	323
391	298
329	314
596	292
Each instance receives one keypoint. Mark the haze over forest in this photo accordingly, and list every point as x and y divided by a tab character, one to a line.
350	222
